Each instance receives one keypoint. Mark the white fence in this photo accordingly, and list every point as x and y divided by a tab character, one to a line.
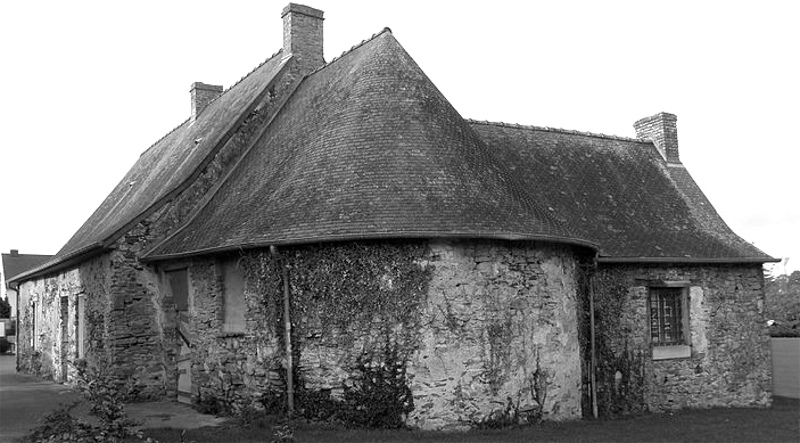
786	366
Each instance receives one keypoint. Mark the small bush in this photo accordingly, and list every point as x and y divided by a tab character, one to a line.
105	393
382	399
61	426
209	404
283	433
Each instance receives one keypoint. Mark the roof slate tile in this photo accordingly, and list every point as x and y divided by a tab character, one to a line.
367	147
618	192
168	163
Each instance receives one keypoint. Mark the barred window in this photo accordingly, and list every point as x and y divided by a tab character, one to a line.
668	317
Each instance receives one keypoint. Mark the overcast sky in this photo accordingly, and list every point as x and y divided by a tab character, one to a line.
88	86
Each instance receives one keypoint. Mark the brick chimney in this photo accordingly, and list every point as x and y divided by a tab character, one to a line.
302	35
202	95
15	252
662	130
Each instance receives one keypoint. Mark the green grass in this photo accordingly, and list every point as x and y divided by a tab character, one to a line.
780	423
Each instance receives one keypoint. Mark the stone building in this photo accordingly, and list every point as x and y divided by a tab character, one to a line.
468	271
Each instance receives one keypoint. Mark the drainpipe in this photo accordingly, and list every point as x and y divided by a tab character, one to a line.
590	285
287	330
16	326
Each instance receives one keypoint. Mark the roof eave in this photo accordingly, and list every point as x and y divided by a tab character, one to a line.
510	236
107	242
688	260
66	261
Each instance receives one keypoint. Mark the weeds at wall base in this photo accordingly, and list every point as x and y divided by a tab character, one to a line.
105	393
380	398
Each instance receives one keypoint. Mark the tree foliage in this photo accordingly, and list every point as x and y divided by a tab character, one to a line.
782	294
5	308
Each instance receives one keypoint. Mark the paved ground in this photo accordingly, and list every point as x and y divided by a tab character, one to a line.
24	399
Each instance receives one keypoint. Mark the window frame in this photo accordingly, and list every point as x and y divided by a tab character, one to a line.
170	280
234	322
80	326
682	349
35	325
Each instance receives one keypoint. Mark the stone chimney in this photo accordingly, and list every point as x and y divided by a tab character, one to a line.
302	35
202	95
662	130
15	252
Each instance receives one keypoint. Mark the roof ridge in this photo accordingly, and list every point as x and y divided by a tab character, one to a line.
249	73
561	130
215	99
353	48
163	137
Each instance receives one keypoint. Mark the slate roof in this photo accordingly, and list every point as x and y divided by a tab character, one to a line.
619	193
14	265
367	147
169	164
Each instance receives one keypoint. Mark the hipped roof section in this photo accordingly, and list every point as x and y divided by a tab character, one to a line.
619	193
167	166
366	148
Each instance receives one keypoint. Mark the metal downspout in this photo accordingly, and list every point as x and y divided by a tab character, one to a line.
590	284
287	330
16	327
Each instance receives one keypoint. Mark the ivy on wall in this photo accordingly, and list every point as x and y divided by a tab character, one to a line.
620	372
364	299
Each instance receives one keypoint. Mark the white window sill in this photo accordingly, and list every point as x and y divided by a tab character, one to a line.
670	352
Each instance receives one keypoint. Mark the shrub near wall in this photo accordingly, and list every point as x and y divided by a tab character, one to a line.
356	309
430	334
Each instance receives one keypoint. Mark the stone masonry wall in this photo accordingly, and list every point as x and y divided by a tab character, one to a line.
499	336
729	363
50	350
153	331
492	335
139	323
234	369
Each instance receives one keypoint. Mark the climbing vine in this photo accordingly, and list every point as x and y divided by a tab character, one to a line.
363	297
620	364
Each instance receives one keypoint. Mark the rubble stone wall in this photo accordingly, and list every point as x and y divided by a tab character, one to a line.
137	320
499	337
232	368
48	348
730	360
491	335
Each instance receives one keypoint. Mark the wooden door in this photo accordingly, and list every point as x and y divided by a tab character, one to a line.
179	287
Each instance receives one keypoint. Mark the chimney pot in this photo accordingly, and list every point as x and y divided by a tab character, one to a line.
202	95
662	130
302	35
